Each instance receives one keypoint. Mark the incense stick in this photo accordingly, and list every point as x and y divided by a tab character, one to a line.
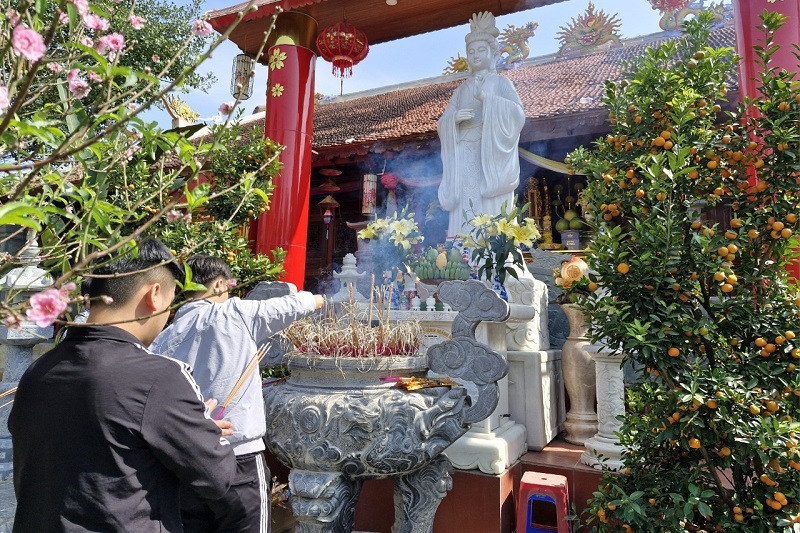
371	295
248	371
389	301
9	392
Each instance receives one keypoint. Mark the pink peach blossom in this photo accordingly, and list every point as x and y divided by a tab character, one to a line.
82	6
86	40
66	289
12	322
95	77
201	28
28	43
111	43
226	107
136	22
174	216
45	308
55	67
95	22
63	18
77	86
13	16
4	101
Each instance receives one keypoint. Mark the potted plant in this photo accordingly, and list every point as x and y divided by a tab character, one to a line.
704	305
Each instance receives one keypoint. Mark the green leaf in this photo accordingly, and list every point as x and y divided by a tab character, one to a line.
22	214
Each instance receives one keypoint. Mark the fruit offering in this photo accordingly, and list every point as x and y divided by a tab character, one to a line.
440	262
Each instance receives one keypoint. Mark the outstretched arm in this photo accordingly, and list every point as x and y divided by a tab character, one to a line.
267	317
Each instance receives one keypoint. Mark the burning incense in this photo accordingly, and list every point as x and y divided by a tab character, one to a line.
248	371
371	295
389	302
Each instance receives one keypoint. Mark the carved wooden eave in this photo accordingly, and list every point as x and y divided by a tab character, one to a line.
381	22
387	148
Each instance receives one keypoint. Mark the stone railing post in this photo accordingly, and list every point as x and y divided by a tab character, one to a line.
18	285
603	450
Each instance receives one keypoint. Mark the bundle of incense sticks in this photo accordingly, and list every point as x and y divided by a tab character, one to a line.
248	371
9	392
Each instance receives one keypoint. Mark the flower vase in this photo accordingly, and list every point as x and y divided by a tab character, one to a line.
579	378
499	288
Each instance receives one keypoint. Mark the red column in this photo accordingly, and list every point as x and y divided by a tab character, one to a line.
290	110
749	33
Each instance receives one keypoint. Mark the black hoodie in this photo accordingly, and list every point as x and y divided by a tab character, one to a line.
103	433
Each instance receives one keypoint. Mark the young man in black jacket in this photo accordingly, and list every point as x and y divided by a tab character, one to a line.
103	430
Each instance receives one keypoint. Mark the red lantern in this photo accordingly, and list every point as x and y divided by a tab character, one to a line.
344	45
668	6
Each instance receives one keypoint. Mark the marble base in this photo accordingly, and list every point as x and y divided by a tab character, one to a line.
602	453
491	453
536	394
580	427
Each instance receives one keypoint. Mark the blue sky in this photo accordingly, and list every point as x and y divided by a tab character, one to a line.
417	57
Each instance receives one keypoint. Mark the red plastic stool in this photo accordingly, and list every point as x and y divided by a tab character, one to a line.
543	496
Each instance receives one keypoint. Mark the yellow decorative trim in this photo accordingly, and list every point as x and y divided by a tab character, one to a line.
276	59
277	90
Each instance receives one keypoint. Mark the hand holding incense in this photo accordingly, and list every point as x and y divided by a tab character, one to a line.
248	371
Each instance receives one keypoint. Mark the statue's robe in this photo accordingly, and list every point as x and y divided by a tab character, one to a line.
480	156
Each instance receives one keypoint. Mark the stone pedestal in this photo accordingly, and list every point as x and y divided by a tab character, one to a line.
533	334
536	394
579	379
603	450
491	445
349	278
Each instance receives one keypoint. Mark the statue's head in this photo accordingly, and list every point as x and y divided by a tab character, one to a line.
482	40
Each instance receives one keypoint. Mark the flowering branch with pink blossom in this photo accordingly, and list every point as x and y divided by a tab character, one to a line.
79	165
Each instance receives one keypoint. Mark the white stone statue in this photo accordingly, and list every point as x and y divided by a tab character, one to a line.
479	133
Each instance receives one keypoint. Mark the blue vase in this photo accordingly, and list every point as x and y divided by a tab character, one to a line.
499	288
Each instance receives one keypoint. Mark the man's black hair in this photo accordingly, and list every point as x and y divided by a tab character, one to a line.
154	262
206	268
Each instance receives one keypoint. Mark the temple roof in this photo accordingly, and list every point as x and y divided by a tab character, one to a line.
562	97
551	89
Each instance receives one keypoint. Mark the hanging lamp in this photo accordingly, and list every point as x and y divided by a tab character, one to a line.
344	46
243	77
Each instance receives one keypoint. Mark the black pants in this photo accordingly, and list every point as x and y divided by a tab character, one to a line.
245	508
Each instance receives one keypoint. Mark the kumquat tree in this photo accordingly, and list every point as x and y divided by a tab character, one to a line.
696	212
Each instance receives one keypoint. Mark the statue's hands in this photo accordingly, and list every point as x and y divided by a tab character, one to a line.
464	114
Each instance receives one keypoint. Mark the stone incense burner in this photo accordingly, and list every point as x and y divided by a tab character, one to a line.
337	421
